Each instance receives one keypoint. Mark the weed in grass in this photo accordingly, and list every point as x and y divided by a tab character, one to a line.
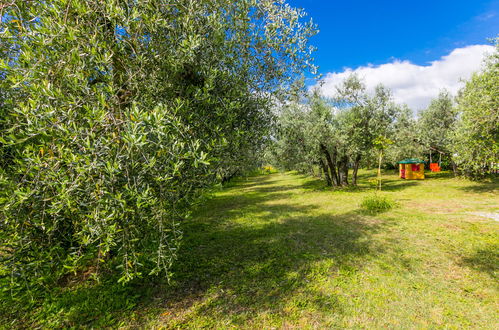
376	203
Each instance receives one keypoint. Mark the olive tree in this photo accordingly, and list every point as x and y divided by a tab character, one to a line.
435	126
405	137
116	114
475	142
367	118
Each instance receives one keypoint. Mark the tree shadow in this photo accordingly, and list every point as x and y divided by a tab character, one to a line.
398	185
491	186
315	184
237	269
248	181
388	184
485	259
228	268
443	175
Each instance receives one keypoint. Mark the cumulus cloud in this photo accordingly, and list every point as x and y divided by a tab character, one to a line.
414	84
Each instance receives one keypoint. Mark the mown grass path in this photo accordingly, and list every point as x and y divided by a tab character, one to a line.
282	251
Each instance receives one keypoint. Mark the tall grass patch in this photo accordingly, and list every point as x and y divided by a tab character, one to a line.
376	203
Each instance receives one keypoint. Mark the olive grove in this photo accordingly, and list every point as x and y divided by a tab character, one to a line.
358	127
337	134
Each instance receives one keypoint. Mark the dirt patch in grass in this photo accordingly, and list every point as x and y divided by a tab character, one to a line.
434	207
489	215
451	226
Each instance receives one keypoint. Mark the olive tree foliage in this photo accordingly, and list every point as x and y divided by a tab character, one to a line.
405	137
435	125
115	114
290	147
304	126
435	122
475	142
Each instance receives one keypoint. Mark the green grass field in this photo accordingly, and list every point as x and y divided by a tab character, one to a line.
282	251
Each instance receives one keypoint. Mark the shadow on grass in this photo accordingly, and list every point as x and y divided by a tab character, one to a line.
485	259
489	186
232	267
443	175
249	181
388	184
398	185
243	270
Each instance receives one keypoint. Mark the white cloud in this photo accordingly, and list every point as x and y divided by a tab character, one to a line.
486	16
414	84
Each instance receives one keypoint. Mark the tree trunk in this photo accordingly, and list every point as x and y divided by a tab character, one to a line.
331	163
343	170
228	176
311	171
326	173
379	169
454	167
355	170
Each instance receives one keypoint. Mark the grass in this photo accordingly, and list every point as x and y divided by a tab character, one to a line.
281	250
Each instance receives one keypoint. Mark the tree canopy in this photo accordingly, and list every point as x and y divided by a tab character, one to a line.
475	142
116	114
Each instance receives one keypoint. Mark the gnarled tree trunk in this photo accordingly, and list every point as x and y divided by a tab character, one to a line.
326	172
454	167
343	170
356	164
331	163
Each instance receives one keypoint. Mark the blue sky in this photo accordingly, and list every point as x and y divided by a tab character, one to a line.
359	33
